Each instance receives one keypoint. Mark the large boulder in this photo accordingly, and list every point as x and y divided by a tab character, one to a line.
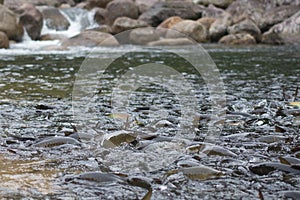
253	9
206	21
121	8
246	26
143	36
287	31
97	3
218	3
144	5
172	42
124	23
219	27
32	19
9	24
4	41
163	10
100	16
54	19
276	15
236	39
188	28
91	39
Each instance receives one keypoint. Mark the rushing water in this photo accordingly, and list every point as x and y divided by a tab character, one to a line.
36	103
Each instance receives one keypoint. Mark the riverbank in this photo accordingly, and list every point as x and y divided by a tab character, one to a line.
151	22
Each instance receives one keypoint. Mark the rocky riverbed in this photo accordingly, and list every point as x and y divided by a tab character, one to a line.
154	22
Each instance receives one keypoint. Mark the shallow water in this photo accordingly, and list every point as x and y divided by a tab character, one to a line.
36	103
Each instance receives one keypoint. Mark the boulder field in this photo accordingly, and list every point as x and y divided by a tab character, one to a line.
156	22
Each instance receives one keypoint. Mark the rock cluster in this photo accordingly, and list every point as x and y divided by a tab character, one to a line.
157	22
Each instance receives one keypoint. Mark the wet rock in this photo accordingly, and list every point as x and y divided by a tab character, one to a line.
237	39
54	19
277	15
91	39
218	3
32	19
188	28
118	138
101	16
201	172
285	32
268	167
167	24
143	36
206	22
144	5
172	42
97	3
160	11
121	8
124	23
9	24
246	26
219	27
56	141
4	41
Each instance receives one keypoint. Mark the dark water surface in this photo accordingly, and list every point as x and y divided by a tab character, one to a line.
259	129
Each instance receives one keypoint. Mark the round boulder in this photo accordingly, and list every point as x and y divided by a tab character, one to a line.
97	3
4	41
91	39
246	26
100	16
32	19
124	23
54	19
188	28
236	39
9	24
143	36
167	24
122	8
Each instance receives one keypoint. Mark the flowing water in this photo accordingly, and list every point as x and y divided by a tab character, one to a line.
36	103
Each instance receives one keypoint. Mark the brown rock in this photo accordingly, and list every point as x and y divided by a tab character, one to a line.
91	39
206	21
172	42
144	5
97	3
101	16
104	29
4	41
246	26
167	24
54	19
218	3
32	19
121	8
142	36
213	11
124	23
287	31
188	28
236	39
53	37
9	24
160	11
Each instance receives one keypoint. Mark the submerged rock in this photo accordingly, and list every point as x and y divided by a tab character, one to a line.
99	177
56	141
295	195
118	138
268	167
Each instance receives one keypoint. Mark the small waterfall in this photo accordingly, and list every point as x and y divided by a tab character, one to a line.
79	20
